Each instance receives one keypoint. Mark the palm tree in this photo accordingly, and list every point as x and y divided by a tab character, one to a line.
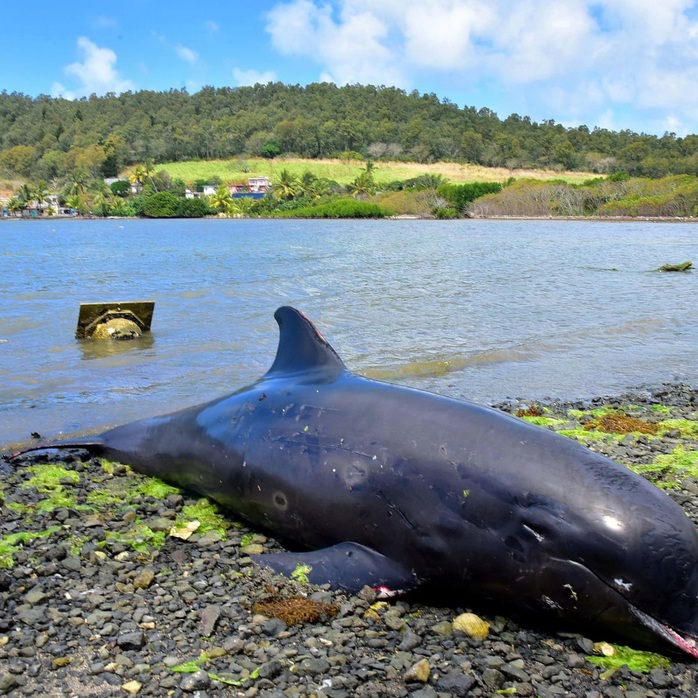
363	186
78	203
286	186
221	201
78	182
41	193
16	205
25	194
149	172
119	207
138	175
101	203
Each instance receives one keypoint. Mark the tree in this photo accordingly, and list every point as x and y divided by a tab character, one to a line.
77	184
286	186
16	205
138	175
221	200
102	200
120	188
364	185
149	172
77	203
161	205
25	194
271	149
41	193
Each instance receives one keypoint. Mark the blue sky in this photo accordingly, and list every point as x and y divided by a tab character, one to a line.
617	64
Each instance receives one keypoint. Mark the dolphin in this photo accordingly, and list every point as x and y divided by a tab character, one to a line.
403	489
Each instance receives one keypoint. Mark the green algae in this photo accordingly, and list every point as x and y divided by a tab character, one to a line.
668	470
300	574
586	436
113	493
543	421
139	537
207	514
687	427
662	409
12	542
194	665
51	479
635	660
604	411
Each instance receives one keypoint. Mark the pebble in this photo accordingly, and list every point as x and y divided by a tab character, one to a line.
85	613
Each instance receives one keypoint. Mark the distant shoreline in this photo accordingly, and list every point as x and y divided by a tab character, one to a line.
404	217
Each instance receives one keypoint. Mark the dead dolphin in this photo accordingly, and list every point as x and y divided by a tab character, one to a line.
402	489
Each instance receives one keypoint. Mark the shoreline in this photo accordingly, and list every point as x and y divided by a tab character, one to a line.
406	216
101	601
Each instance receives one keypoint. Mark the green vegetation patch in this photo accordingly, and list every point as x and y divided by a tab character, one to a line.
10	543
668	470
687	427
194	665
544	421
342	208
139	537
635	660
117	492
207	514
51	479
586	436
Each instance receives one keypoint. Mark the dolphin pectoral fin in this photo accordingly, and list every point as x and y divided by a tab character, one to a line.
346	566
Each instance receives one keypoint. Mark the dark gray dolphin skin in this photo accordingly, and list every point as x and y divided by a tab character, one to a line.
401	489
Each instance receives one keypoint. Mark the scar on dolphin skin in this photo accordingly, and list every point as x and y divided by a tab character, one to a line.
488	505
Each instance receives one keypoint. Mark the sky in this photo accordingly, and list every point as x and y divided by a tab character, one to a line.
615	64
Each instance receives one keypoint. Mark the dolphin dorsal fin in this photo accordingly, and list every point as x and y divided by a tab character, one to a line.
301	347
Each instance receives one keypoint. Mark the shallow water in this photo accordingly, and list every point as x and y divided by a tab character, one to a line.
483	310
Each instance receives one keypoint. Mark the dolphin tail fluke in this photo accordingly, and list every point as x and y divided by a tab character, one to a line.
93	445
346	566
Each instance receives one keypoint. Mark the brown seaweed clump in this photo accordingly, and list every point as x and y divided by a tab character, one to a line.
530	411
621	424
294	610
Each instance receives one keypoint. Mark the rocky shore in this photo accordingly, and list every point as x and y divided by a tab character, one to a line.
112	584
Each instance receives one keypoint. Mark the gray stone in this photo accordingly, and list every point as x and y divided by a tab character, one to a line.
209	618
312	666
409	641
8	683
456	683
271	669
198	681
131	641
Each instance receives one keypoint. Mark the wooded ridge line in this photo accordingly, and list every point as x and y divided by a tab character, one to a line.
45	138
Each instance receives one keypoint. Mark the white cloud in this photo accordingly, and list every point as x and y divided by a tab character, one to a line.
211	26
104	22
557	54
252	77
353	47
186	54
59	90
96	72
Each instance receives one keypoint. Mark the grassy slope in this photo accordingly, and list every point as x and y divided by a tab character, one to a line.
343	171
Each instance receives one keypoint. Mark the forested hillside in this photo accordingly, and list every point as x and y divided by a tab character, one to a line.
49	139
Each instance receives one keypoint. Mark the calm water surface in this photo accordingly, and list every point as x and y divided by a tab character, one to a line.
478	309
